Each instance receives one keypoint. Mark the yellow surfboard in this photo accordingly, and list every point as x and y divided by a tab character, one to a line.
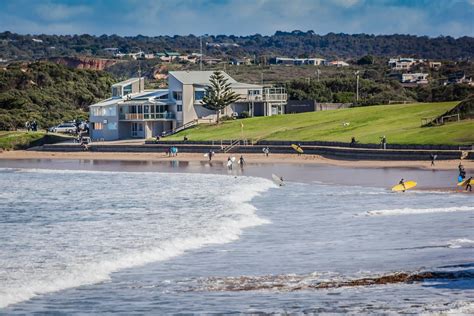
400	187
464	183
297	148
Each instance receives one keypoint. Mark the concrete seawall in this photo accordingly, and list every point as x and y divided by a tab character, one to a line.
344	153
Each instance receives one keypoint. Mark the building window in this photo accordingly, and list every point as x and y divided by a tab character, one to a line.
179	107
127	89
104	111
177	95
112	126
97	126
115	92
199	95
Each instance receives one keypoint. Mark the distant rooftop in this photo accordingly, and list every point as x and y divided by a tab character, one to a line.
197	77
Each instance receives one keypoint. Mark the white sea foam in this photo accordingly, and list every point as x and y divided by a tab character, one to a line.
409	211
461	243
66	238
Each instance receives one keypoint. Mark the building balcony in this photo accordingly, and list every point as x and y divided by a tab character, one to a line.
147	116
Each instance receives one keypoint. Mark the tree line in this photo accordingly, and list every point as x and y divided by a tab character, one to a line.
296	43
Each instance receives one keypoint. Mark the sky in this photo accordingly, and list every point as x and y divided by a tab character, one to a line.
239	17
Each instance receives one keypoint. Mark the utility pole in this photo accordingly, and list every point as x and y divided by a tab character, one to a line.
357	86
200	57
317	73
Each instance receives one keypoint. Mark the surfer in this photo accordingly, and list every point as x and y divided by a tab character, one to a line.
462	173
402	182
433	158
468	184
229	163
266	151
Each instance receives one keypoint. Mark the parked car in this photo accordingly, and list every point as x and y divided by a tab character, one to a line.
69	128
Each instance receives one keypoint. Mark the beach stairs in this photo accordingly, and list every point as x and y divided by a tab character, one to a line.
235	144
463	111
181	128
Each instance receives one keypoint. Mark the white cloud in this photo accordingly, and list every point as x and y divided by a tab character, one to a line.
58	12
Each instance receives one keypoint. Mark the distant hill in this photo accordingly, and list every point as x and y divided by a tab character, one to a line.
27	47
48	93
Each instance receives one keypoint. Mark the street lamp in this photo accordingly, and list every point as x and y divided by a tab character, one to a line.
357	86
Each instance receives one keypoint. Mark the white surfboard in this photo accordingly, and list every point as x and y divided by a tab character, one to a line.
278	180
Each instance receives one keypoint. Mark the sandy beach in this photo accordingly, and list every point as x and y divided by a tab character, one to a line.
250	158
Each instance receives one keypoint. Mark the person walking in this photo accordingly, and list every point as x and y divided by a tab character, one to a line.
402	182
229	163
27	126
468	184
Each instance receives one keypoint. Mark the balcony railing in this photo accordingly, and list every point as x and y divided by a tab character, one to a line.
147	116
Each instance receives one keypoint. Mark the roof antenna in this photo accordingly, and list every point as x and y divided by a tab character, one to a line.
200	58
139	77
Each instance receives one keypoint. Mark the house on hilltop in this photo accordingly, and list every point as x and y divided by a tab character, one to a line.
133	112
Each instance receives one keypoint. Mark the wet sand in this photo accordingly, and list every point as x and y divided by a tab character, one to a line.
306	168
253	158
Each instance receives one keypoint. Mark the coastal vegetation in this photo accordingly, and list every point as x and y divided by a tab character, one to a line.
23	140
48	93
295	43
218	94
400	123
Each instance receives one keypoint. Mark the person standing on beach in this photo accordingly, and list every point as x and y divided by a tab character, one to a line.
229	163
383	142
210	154
433	158
241	162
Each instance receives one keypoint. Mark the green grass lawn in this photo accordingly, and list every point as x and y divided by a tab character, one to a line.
22	140
399	123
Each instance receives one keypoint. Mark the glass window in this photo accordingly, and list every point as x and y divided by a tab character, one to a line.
112	126
127	89
179	107
115	92
177	95
97	126
199	95
163	97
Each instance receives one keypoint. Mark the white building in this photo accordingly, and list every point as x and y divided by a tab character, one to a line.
133	112
299	61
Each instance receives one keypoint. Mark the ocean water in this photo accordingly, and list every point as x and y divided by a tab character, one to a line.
149	242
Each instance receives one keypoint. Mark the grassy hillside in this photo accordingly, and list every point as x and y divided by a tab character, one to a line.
22	140
399	123
48	93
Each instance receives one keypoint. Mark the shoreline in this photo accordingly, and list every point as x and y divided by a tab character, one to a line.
293	168
250	158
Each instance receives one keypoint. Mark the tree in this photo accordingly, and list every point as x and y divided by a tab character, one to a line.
218	94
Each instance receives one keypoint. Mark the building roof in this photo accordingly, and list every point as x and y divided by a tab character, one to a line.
125	82
197	77
241	85
137	97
